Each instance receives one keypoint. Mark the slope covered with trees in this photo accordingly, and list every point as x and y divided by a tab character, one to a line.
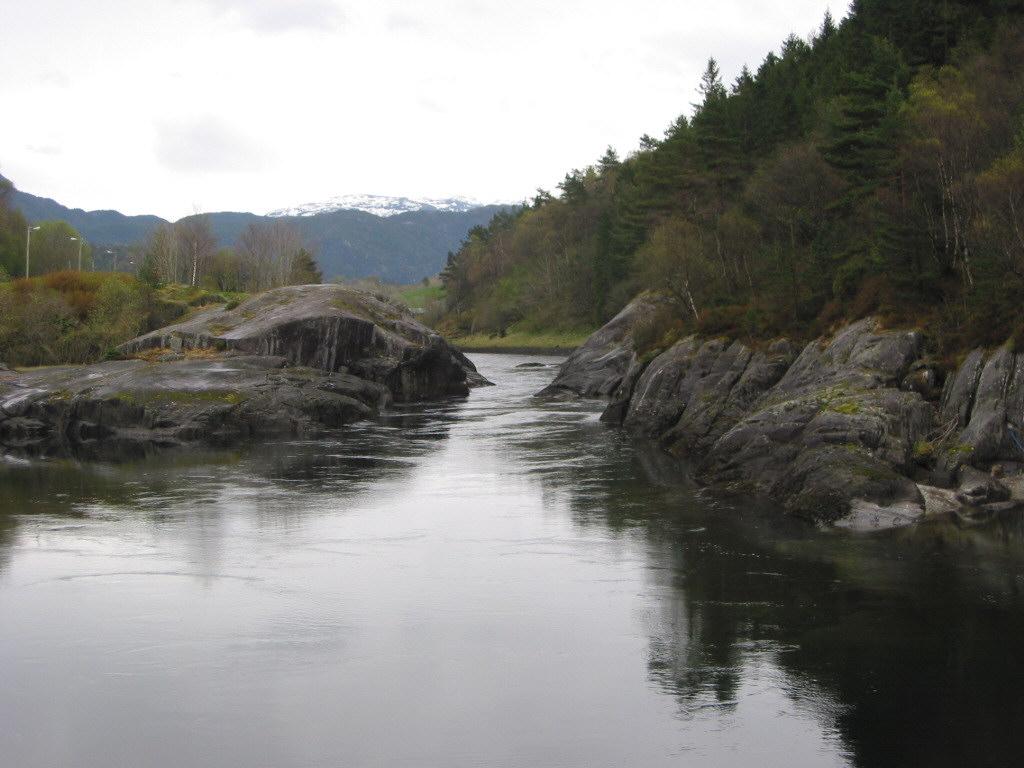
877	167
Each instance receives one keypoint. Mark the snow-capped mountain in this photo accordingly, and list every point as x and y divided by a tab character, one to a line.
380	205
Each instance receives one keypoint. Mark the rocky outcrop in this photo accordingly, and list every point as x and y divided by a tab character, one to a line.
108	408
840	432
294	361
605	363
981	403
834	429
690	395
331	328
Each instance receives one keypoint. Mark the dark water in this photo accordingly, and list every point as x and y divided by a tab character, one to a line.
497	582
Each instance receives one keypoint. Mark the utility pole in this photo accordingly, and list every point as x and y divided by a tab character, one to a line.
28	244
80	240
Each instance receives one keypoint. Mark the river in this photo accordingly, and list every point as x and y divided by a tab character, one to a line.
497	581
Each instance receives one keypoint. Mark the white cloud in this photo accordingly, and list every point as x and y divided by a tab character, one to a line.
261	104
206	145
44	149
282	16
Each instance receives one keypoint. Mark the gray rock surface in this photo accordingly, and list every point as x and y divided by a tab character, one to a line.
332	328
736	382
293	361
829	432
979	400
834	429
838	432
599	366
107	408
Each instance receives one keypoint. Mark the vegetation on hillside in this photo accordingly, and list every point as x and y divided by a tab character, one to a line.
81	317
875	168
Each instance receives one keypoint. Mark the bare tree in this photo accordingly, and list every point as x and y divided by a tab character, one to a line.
198	245
161	254
268	253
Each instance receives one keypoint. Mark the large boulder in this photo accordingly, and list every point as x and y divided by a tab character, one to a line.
331	328
293	361
601	365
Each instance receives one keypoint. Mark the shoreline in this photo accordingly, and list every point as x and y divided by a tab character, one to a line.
555	343
516	350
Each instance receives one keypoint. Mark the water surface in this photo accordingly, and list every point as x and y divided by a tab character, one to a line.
492	582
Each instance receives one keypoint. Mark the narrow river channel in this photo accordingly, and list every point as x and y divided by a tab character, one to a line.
498	581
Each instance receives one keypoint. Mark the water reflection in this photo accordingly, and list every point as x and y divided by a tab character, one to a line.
907	645
499	581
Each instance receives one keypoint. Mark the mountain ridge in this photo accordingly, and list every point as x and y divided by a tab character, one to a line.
401	247
380	205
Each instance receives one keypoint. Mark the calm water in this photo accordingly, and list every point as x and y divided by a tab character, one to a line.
496	582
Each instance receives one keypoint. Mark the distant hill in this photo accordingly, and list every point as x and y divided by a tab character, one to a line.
99	227
397	247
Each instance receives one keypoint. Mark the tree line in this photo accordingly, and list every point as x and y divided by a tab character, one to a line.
267	255
876	167
56	245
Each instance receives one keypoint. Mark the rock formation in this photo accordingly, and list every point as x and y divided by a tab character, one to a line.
843	431
293	361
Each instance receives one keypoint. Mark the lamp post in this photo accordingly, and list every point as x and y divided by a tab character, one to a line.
28	244
80	241
110	252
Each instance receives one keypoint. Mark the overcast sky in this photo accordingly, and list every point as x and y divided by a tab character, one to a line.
176	106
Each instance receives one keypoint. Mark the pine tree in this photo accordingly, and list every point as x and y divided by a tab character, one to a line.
305	270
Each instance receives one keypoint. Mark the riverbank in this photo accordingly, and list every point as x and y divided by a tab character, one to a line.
523	342
861	428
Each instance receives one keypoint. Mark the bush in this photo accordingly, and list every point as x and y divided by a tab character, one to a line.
71	317
658	330
32	325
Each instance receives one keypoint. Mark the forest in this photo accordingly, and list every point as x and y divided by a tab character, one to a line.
875	168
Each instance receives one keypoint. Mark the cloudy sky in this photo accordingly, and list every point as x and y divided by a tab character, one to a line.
176	106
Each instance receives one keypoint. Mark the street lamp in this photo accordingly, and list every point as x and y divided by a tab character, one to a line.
28	244
80	241
110	252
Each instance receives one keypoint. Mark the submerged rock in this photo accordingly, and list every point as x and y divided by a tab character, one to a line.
865	517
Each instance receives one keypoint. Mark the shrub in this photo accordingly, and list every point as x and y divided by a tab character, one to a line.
658	330
70	317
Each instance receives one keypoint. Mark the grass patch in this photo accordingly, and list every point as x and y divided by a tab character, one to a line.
182	397
848	408
420	296
924	450
522	340
157	354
